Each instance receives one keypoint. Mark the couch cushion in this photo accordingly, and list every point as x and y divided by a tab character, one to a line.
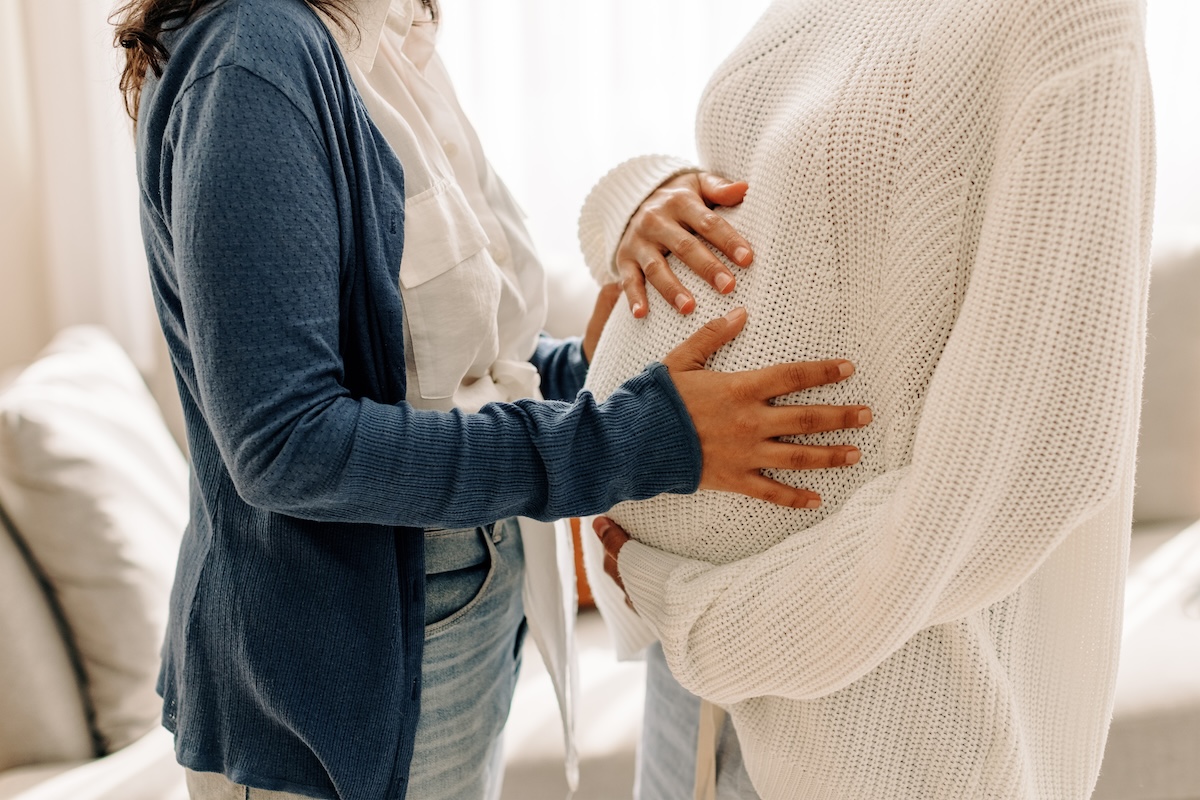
1155	737
145	770
42	712
97	490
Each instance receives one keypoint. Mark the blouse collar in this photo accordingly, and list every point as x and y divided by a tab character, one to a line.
361	42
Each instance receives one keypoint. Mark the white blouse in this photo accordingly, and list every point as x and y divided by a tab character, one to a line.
474	290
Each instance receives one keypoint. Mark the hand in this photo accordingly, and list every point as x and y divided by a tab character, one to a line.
666	223
614	538
605	303
739	429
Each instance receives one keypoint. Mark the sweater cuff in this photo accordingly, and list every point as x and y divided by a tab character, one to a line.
614	200
630	634
645	571
676	443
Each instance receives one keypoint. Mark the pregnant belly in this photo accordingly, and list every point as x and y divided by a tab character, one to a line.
716	527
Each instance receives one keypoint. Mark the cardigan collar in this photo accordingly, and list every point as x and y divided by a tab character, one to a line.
361	42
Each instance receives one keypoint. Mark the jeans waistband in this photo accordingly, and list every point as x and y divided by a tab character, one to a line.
447	550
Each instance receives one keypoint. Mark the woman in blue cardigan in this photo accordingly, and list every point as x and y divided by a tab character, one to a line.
274	212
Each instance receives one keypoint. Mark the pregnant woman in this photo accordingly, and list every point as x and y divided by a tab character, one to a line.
956	196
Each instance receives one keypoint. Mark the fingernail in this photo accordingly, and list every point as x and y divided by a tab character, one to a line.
853	457
736	315
813	504
865	417
600	525
681	300
741	255
723	281
846	369
637	309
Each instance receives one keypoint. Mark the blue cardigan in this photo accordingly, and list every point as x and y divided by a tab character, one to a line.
273	216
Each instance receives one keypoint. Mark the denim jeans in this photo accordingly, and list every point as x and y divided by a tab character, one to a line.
475	624
213	786
474	628
666	763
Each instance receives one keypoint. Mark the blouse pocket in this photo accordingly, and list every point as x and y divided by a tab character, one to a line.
451	291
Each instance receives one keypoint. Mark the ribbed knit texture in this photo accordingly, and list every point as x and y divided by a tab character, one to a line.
957	197
273	215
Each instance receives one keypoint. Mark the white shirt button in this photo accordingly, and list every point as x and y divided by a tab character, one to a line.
450	147
499	253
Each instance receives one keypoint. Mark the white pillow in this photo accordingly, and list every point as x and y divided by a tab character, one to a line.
97	489
43	715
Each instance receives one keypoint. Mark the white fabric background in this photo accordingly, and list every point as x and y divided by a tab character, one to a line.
563	91
67	187
560	92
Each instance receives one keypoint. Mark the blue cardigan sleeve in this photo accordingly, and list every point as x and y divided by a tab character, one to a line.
562	366
254	258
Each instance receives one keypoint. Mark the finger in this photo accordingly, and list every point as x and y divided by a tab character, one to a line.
633	283
693	353
612	571
660	276
606	300
777	493
779	455
723	236
715	189
613	537
794	420
611	534
697	257
781	379
714	228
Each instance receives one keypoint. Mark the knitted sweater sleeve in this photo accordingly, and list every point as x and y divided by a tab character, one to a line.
1028	429
613	201
256	249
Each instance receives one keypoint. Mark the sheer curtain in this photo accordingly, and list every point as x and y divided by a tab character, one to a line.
72	252
561	90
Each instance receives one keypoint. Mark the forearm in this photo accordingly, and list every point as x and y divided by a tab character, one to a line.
356	460
561	365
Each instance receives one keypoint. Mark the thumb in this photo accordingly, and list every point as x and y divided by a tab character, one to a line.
715	189
695	351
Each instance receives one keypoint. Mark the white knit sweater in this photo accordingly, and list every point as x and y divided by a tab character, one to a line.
955	195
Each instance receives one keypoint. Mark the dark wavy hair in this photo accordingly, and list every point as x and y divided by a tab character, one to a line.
141	23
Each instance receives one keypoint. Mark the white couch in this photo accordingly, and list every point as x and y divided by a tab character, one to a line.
93	490
93	500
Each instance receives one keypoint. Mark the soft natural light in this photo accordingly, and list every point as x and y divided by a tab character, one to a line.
1172	30
562	91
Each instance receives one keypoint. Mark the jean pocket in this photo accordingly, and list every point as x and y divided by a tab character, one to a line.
450	595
